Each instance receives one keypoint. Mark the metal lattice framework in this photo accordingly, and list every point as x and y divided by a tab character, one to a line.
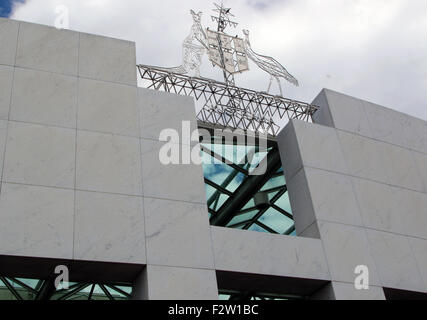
37	289
229	106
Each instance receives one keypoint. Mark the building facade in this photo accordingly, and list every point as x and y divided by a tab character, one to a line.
82	186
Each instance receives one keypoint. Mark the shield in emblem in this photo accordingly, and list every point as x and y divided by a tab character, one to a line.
225	41
229	62
212	38
242	63
227	52
215	56
239	45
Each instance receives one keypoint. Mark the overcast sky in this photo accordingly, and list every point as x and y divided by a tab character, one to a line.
371	49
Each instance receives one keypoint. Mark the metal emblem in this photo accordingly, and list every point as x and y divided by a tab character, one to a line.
224	103
226	52
233	50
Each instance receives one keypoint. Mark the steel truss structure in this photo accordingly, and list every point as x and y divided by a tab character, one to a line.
229	106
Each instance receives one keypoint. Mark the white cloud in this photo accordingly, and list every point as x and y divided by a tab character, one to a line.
372	49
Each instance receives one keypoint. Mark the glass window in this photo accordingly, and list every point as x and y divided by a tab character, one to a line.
230	188
243	217
29	289
276	221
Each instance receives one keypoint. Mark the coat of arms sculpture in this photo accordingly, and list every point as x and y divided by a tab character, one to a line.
227	52
224	103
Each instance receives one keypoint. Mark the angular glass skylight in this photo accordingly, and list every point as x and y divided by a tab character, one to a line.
230	188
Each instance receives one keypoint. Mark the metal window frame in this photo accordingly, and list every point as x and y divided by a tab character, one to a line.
45	289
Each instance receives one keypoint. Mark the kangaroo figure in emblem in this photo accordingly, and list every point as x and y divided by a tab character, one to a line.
193	48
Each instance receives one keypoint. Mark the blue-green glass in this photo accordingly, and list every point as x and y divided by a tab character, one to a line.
219	172
276	221
274	183
227	177
216	205
257	228
249	204
243	217
284	203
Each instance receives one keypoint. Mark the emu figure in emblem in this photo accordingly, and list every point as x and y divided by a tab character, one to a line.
269	65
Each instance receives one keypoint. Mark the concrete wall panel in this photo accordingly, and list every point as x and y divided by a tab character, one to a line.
180	261
181	182
419	249
345	291
289	151
333	197
395	261
301	202
380	205
119	222
47	48
401	169
6	79
413	208
386	124
8	37
108	107
384	189
319	147
108	163
36	221
107	59
3	134
44	97
365	157
261	253
311	231
40	155
415	131
347	247
40	217
172	283
323	115
421	165
347	113
156	109
177	234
